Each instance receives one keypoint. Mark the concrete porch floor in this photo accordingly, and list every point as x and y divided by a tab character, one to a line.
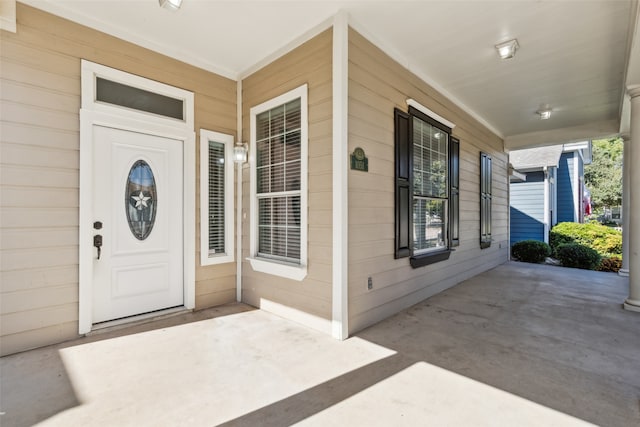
519	345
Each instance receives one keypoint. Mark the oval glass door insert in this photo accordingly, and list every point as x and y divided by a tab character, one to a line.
140	199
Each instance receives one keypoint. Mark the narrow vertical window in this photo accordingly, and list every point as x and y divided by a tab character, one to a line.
485	200
216	198
454	196
279	185
426	188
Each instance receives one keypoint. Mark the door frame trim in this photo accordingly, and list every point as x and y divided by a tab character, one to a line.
94	114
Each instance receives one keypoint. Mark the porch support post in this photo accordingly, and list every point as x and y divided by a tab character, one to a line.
340	147
626	191
633	302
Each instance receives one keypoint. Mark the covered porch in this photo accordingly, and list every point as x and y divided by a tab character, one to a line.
521	344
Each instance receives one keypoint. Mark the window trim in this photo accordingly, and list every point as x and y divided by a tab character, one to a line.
403	197
228	256
268	265
486	194
432	255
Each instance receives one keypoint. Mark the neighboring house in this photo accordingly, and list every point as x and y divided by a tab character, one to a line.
114	208
547	187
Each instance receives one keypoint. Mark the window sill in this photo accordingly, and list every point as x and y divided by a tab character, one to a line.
216	259
432	258
289	271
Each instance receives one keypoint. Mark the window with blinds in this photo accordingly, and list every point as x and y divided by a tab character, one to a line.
216	197
430	186
278	181
427	163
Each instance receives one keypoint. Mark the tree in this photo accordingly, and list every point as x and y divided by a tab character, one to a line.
603	177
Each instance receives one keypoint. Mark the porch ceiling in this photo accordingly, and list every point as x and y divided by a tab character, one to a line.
576	56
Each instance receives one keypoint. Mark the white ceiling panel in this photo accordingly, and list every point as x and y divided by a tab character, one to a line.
573	53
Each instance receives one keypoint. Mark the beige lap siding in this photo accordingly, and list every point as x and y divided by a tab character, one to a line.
309	63
378	84
40	102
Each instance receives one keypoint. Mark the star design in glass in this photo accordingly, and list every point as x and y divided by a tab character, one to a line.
141	201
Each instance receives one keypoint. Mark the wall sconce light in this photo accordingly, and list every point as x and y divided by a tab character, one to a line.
544	112
170	4
507	49
240	152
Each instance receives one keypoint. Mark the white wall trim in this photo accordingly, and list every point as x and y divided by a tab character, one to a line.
264	265
576	187
239	224
299	316
207	136
59	8
340	150
305	37
546	216
415	104
93	114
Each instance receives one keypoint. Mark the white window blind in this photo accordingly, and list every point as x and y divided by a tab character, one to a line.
216	198
278	184
430	186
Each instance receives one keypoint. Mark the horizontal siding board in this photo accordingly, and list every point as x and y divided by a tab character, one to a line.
33	338
36	197
377	85
309	63
50	118
37	238
29	135
33	155
13	323
18	280
23	259
40	139
40	298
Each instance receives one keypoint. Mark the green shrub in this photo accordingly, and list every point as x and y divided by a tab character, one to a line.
578	256
530	251
610	264
606	241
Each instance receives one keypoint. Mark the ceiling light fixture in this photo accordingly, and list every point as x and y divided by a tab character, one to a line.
507	49
170	4
544	112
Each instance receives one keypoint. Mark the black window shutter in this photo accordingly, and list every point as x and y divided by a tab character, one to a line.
454	210
402	187
485	200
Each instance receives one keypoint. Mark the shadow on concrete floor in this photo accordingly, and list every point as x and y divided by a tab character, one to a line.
554	336
519	345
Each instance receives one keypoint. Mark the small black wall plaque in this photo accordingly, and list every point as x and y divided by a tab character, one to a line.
359	161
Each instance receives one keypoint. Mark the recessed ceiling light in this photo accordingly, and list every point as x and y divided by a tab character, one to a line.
544	112
170	4
507	49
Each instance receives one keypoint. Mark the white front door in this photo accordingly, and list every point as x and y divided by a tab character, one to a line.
137	210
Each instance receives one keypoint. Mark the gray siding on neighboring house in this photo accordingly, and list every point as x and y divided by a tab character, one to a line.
566	188
527	208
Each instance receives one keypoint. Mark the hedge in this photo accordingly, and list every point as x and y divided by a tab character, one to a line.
530	251
606	241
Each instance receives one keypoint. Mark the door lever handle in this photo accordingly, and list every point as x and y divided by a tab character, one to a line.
97	242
